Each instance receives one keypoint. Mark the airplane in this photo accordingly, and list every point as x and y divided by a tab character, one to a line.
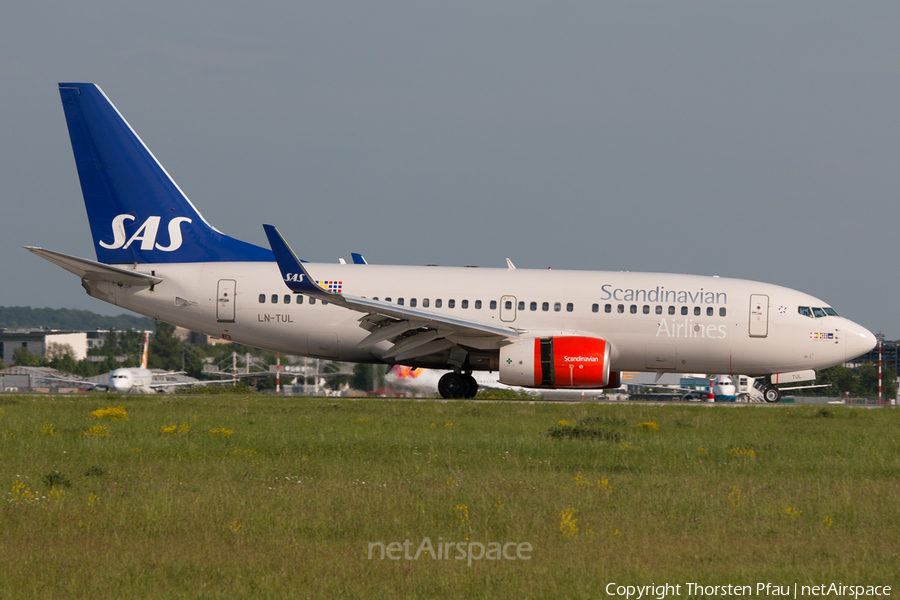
128	379
542	329
135	379
142	380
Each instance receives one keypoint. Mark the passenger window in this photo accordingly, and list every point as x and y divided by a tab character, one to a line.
274	298
607	308
684	310
287	298
262	298
478	304
451	303
709	311
696	311
620	309
646	309
533	306
595	307
425	303
438	303
299	299
545	306
804	310
412	302
493	305
634	309
508	304
400	301
465	304
521	305
570	307
387	299
671	310
818	312
722	312
557	306
312	300
659	309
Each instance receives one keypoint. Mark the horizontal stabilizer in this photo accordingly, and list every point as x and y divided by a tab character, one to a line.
94	271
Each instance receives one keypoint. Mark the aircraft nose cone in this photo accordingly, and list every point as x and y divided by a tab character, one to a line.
859	340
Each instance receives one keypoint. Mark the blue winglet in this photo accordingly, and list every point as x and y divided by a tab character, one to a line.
295	275
358	259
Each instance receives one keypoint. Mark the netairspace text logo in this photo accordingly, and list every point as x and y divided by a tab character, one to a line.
468	551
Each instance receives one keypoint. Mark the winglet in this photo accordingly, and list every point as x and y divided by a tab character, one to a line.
358	259
295	275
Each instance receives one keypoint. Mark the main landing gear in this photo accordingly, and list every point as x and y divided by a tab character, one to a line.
457	385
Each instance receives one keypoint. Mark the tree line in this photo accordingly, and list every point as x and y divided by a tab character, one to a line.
25	317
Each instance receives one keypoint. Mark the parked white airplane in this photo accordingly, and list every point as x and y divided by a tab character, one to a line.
157	256
128	379
147	381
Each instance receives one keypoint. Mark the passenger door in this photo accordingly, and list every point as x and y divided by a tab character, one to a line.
225	301
759	315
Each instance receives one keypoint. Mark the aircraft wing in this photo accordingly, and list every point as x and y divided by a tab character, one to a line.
81	383
94	271
397	319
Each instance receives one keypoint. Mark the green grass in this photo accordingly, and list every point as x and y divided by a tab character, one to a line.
288	503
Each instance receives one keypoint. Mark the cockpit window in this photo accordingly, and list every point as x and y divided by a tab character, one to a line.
818	312
830	311
804	310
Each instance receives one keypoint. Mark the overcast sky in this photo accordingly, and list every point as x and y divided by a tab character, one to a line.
758	140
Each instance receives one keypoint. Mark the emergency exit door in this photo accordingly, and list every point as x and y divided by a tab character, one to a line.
508	308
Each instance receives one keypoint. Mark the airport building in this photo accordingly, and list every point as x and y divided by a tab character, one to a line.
39	341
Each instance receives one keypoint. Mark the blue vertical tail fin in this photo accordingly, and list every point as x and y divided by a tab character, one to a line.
137	213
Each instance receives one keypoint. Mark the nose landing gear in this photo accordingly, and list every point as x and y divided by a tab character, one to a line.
771	394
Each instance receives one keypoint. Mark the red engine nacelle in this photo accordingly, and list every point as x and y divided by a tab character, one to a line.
558	362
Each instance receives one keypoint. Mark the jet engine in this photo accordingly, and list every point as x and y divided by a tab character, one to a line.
558	362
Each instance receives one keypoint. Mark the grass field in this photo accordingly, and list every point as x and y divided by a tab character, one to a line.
257	496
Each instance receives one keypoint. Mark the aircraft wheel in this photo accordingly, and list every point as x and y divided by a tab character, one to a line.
771	394
473	386
452	385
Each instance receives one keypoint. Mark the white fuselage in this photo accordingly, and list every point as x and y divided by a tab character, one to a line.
654	322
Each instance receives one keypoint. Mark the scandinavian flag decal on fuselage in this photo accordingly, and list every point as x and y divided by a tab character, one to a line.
334	287
815	335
